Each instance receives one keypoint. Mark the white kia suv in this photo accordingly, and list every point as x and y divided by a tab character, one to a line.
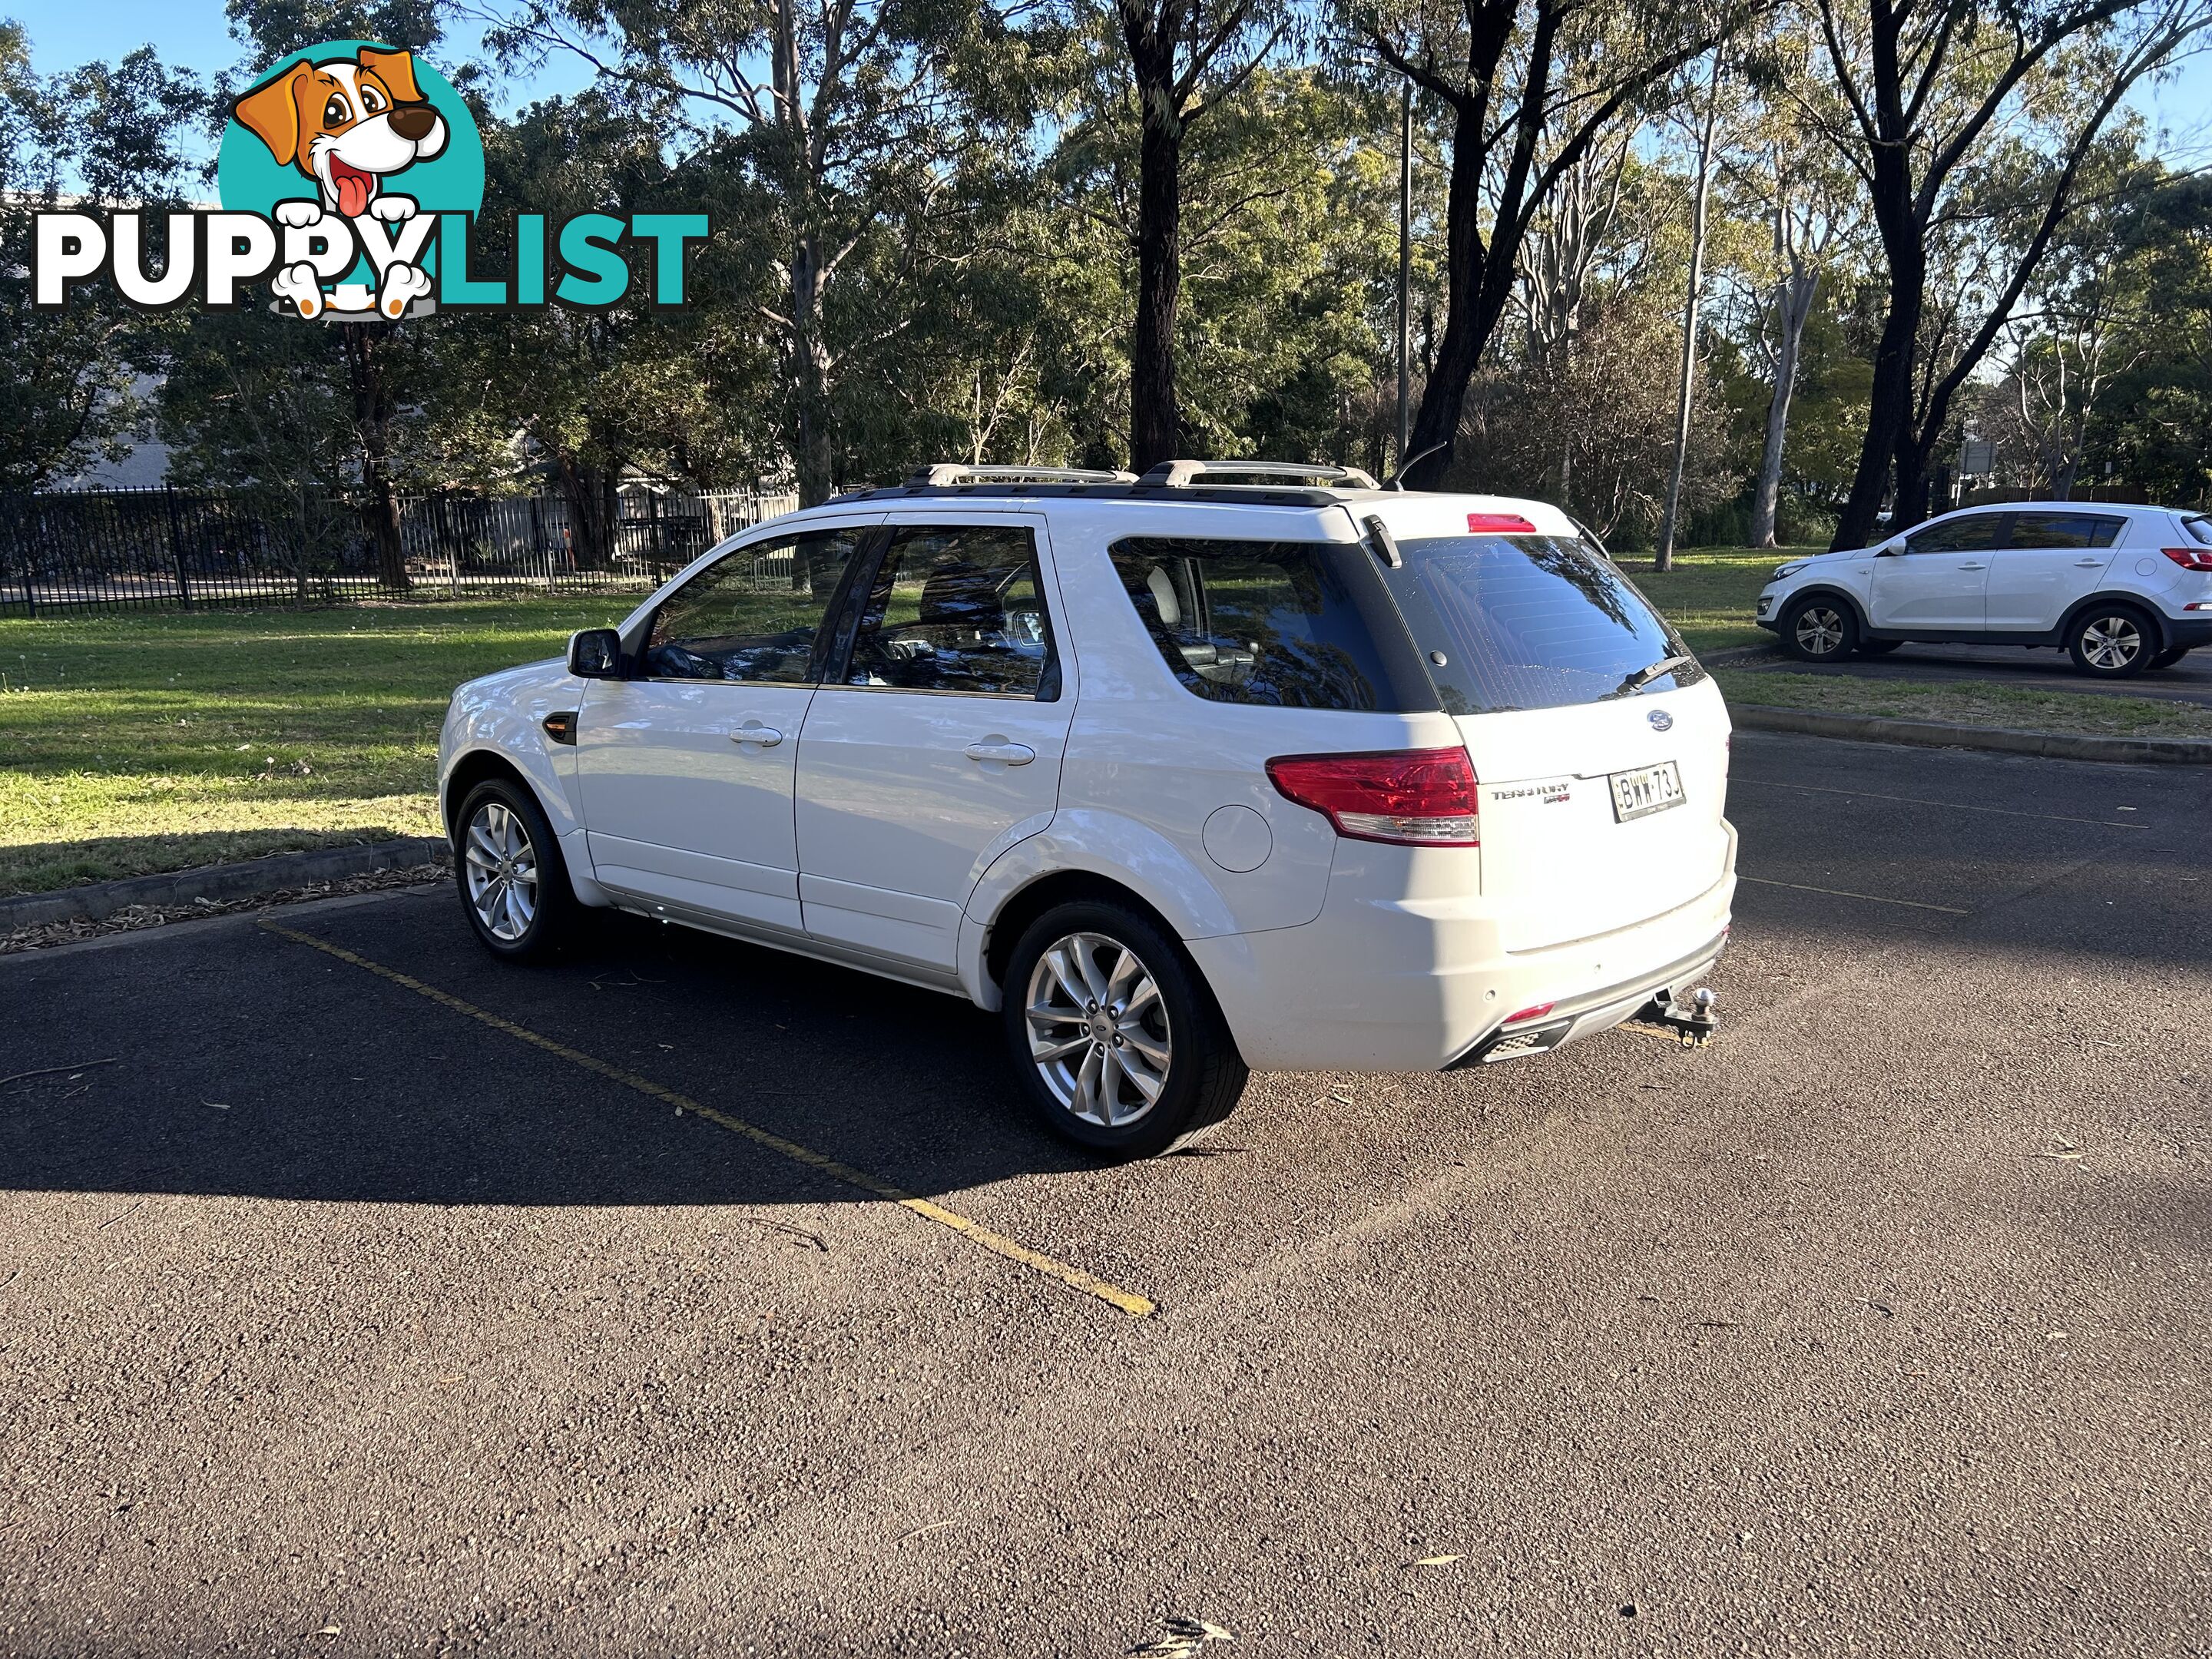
1184	775
2119	588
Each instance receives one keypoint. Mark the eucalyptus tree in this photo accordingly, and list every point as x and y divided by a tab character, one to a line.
849	115
1936	104
1529	86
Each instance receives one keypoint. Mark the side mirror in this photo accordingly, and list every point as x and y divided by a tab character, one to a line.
1889	550
595	653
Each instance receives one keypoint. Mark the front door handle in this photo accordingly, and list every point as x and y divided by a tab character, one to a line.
1974	567
1011	754
753	732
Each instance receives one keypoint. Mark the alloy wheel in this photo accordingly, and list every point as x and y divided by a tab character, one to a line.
1819	631
2112	642
1098	1029
503	871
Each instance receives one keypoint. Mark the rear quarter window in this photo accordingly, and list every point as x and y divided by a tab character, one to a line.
1278	624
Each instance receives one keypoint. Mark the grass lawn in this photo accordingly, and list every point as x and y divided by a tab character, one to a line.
158	741
1969	703
1710	592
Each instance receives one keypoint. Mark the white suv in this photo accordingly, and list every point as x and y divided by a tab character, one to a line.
2119	588
1184	775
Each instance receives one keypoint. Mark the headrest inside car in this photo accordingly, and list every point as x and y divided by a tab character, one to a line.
1164	596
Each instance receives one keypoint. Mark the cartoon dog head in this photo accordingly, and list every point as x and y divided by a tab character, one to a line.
346	124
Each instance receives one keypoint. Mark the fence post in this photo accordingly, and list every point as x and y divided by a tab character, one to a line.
177	546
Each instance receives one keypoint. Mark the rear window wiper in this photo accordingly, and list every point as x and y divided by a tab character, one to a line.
1644	677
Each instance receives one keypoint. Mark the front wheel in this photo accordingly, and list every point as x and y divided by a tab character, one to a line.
2111	641
514	881
1115	1039
1820	629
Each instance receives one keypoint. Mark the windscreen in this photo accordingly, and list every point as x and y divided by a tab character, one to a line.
1531	622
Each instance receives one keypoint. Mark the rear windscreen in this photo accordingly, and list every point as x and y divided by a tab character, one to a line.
1530	622
1283	624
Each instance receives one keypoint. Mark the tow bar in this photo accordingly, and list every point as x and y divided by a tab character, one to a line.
1692	1027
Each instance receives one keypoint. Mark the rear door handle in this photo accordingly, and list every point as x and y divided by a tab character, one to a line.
2087	564
1011	754
753	732
1974	567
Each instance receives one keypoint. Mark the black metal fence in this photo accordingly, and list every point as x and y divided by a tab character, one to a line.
64	552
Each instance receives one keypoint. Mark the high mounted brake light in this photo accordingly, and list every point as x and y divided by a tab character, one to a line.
1499	523
1412	798
2190	558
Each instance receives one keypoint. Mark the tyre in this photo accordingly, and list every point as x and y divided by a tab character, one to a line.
2171	655
514	881
2111	642
1878	648
1115	1038
1820	629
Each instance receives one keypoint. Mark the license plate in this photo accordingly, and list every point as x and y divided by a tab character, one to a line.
1646	790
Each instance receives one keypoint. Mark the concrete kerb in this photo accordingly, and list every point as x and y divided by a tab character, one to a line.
1934	734
220	882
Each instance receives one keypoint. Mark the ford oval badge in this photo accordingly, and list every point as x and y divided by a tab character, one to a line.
1661	721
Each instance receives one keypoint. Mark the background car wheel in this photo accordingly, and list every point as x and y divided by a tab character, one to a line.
1820	629
2171	655
1878	648
513	880
2111	642
1115	1038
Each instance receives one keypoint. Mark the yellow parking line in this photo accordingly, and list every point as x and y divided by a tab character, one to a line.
1837	893
1136	1306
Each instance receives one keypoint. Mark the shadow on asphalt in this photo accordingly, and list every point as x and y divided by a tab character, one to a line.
251	1066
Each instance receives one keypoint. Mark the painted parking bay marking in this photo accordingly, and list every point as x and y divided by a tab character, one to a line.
1136	1306
1837	893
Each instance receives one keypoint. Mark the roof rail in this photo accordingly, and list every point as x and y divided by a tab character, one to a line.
945	473
1180	474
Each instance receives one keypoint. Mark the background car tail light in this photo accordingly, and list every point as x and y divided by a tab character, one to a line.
1413	797
2190	558
1499	523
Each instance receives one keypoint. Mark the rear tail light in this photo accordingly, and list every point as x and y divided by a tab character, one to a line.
1499	523
1413	797
2190	558
1536	1013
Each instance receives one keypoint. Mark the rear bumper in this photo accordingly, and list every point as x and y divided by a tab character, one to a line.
2189	631
1382	985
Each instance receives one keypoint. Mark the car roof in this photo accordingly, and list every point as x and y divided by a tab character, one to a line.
1407	513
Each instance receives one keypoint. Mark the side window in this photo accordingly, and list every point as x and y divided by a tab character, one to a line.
957	608
758	614
1276	623
1974	533
2063	530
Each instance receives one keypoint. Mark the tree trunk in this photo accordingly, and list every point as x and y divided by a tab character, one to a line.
806	363
372	414
1793	303
1686	389
1473	303
590	494
1889	408
1155	425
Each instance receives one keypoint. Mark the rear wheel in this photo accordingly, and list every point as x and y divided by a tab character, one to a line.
1820	629
1878	648
513	879
1115	1038
2111	642
2171	655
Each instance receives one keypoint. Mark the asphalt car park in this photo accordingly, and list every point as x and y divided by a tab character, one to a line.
365	1295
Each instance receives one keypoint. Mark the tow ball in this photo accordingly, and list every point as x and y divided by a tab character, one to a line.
1693	1026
